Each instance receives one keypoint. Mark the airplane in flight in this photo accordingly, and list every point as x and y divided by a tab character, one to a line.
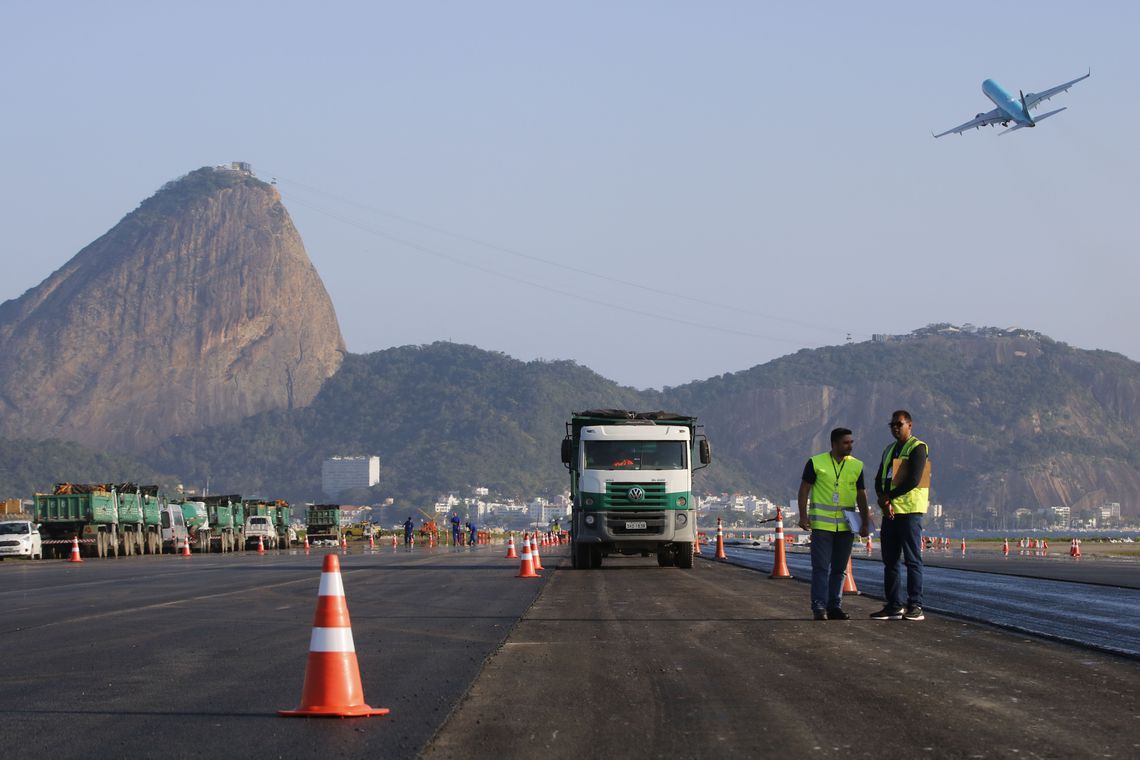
1009	109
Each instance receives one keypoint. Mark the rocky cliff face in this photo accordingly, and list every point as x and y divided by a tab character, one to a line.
199	308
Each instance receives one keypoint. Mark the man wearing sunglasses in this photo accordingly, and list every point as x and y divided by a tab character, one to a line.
903	489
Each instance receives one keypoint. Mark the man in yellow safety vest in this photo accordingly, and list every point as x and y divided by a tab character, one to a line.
902	485
833	481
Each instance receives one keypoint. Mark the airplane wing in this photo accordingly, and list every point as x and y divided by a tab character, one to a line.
981	120
1033	99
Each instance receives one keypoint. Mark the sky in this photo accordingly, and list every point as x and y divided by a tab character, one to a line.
660	191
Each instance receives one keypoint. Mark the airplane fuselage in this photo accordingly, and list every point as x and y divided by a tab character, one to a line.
1006	103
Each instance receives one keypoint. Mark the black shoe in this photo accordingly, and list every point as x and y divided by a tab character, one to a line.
913	612
835	613
819	614
888	613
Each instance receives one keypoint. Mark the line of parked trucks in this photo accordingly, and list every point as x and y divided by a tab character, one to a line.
110	519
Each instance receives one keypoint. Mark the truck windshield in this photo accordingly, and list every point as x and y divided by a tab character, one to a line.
636	455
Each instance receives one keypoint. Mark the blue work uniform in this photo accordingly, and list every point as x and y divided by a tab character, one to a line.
408	526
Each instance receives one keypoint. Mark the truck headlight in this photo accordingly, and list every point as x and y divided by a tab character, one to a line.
682	519
589	501
682	501
589	519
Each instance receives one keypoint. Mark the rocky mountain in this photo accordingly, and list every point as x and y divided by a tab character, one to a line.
198	308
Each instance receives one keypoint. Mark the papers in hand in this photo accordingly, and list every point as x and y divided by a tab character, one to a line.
855	521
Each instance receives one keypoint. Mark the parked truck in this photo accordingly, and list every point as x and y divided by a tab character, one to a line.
225	530
631	485
325	522
89	512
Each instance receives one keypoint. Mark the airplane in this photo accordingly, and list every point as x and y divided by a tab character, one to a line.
1009	109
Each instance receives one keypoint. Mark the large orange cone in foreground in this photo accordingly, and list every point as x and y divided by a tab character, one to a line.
849	586
332	676
75	550
780	564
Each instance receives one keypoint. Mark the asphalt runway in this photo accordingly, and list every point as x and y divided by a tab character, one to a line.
638	661
172	657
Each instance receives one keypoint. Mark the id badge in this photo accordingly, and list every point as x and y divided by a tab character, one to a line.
835	497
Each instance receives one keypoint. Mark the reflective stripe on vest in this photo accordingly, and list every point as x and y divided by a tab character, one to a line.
916	500
823	512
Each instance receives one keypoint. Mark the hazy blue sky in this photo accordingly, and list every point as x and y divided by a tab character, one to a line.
744	179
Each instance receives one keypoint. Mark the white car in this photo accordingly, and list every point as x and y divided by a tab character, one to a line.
20	538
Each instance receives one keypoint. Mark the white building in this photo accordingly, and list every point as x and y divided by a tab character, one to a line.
339	474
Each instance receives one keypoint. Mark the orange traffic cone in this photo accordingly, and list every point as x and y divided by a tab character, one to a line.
371	542
780	564
306	543
1044	547
719	540
963	546
869	547
75	550
344	543
697	544
394	544
849	586
526	566
1005	547
511	553
534	554
332	675
260	545
186	548
1075	552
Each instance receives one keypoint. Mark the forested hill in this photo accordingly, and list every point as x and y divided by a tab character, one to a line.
441	417
1013	419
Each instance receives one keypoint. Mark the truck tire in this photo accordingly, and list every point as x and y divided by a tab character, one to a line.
684	554
595	557
664	558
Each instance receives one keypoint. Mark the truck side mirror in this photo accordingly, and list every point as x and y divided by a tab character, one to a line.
567	451
706	451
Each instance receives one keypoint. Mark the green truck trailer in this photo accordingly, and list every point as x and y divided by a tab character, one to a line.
631	485
325	521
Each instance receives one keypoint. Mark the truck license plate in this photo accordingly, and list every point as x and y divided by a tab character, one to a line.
635	525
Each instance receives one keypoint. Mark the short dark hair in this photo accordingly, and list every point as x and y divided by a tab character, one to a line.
839	433
901	414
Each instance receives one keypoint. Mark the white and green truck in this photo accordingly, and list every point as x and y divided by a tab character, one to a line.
631	485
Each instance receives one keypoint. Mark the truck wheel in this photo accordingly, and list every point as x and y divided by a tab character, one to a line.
684	555
595	557
582	559
664	558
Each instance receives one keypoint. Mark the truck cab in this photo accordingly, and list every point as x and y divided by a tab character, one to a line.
631	485
20	538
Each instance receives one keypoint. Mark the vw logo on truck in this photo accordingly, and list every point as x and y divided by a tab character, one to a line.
637	493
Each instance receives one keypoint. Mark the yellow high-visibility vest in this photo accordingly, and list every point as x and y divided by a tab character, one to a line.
916	500
831	478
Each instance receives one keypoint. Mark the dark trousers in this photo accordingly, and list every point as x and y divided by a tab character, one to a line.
829	554
900	537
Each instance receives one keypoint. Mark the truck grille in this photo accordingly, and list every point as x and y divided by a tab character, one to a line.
617	496
654	522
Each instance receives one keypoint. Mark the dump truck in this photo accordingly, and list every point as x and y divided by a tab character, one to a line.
325	521
225	529
89	512
631	485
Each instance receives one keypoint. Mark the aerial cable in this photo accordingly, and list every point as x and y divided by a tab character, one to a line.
560	265
540	286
